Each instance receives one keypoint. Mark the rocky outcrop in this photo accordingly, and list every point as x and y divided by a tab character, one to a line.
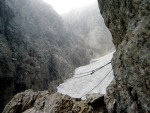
43	102
129	23
109	98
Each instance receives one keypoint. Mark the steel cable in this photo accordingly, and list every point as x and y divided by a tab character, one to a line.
97	84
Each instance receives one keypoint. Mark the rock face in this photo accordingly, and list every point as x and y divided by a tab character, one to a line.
35	49
129	23
109	98
43	102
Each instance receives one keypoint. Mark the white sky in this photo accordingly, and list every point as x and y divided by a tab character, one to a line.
64	6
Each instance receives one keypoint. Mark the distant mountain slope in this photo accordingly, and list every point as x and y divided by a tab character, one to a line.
35	49
89	79
89	25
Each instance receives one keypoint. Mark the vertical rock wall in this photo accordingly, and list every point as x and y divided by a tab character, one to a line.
36	50
129	23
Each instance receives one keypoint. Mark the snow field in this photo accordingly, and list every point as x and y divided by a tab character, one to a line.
85	82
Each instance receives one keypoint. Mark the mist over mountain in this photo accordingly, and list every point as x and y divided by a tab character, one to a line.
36	50
39	49
88	24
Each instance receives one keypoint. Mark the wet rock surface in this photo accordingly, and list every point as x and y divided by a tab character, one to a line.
129	23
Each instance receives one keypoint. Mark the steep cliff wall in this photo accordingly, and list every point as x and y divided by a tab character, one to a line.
129	23
35	49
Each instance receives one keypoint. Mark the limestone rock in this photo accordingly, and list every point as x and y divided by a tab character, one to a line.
129	23
109	97
43	102
92	98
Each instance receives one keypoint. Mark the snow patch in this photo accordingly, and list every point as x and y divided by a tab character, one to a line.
88	79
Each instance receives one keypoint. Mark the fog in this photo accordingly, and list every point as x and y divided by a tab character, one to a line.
39	48
88	24
82	18
64	6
